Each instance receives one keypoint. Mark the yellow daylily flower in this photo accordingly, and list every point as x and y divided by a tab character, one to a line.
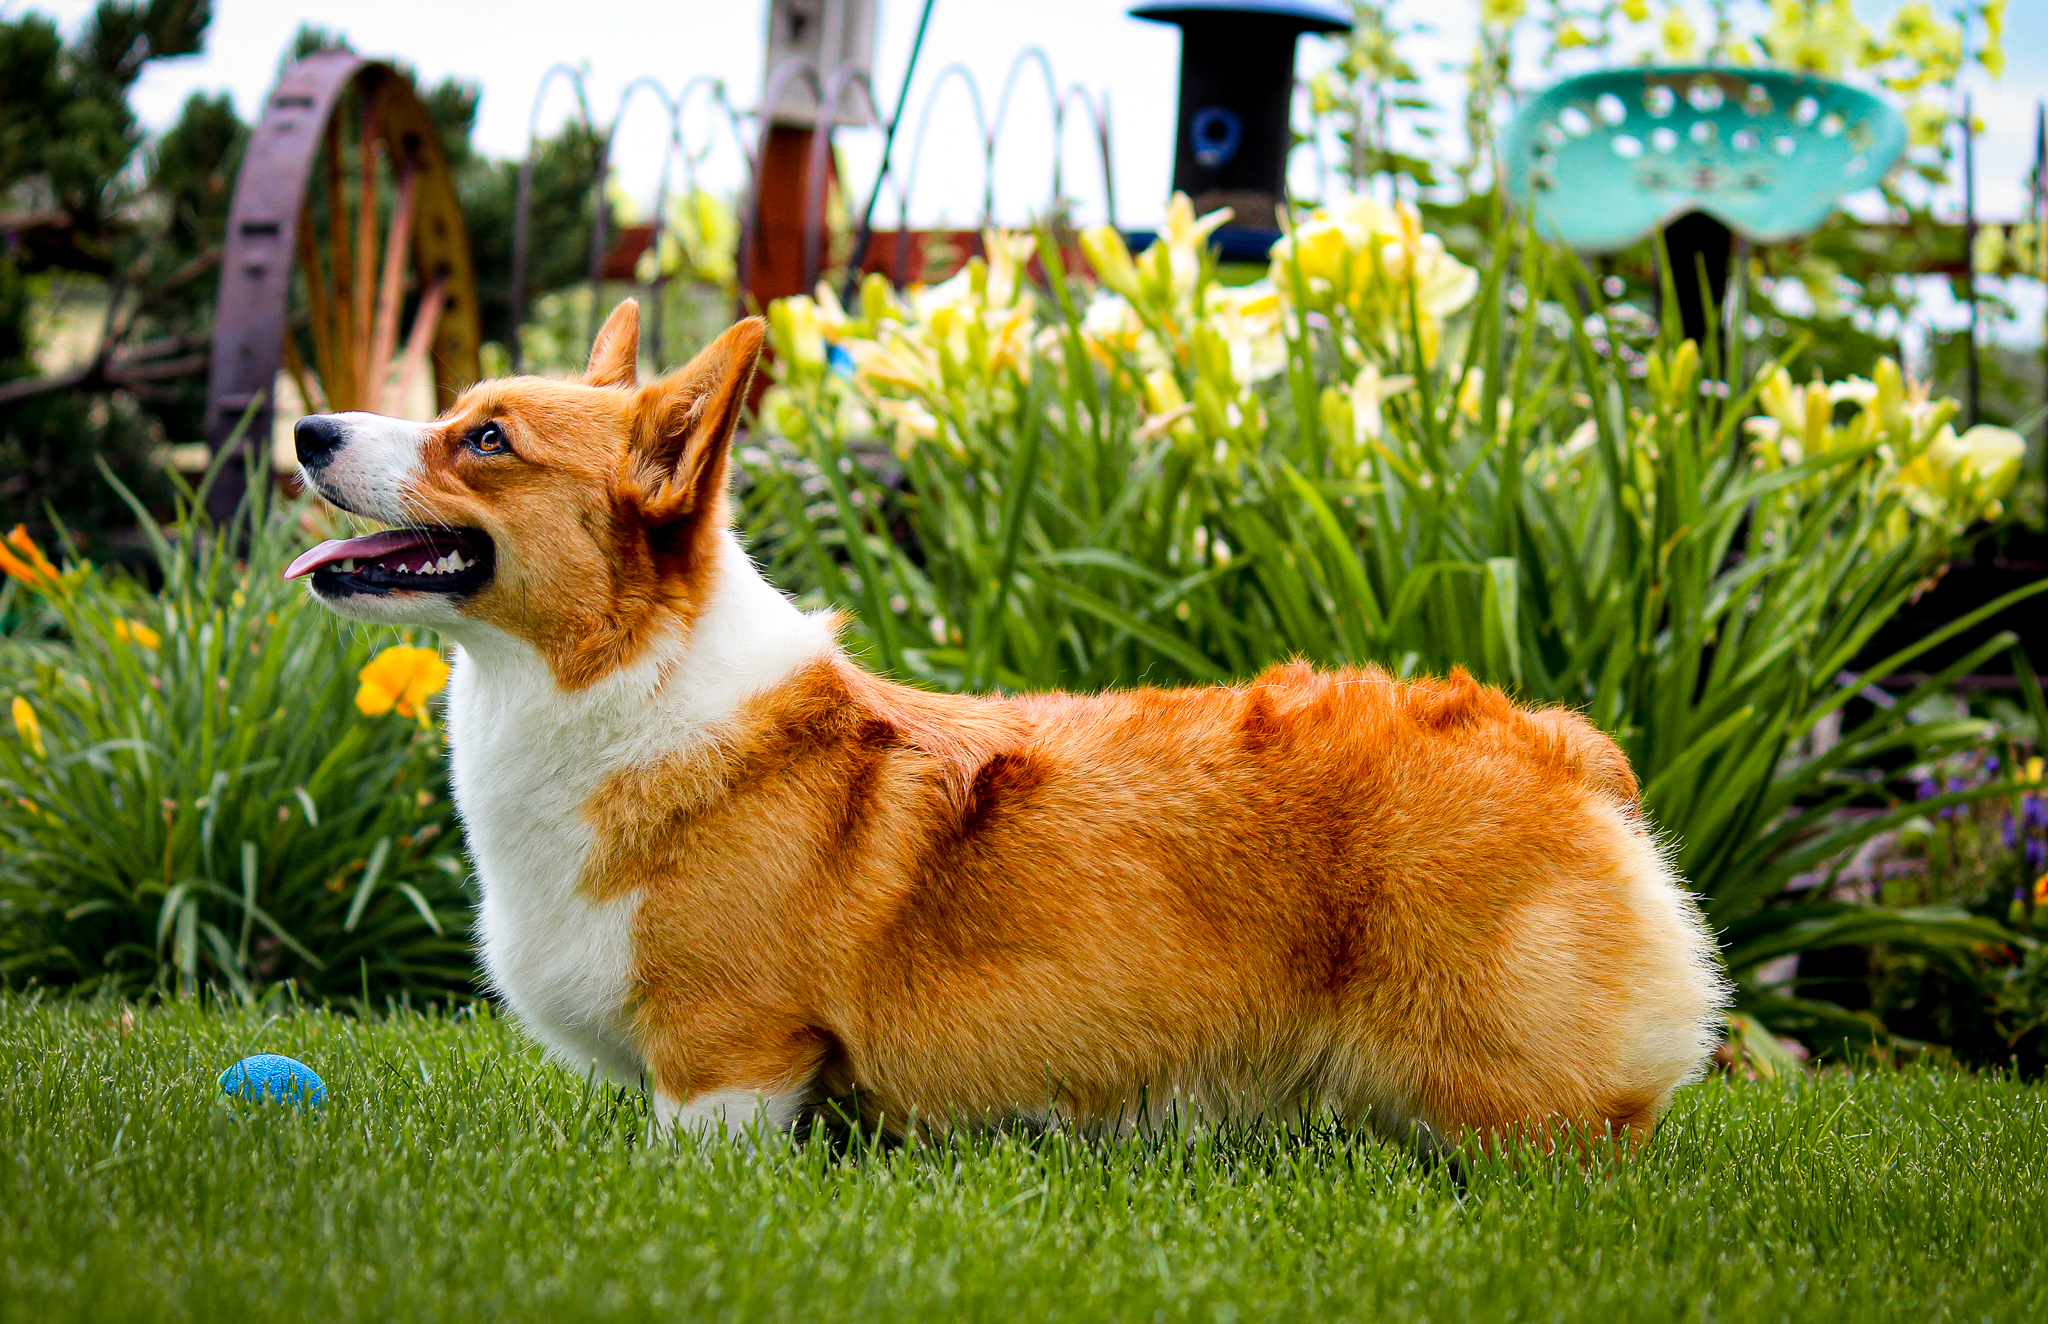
913	422
1174	262
798	332
1110	258
1372	259
401	678
135	632
1248	319
1167	409
1971	471
27	727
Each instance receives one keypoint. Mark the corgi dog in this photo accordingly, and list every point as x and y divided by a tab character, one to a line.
720	859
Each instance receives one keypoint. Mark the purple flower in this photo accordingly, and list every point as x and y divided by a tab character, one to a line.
2012	836
1926	789
1991	763
2034	812
2037	855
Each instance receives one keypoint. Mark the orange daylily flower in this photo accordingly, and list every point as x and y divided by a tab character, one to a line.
34	571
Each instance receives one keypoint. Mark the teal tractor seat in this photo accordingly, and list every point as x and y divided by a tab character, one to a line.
1605	158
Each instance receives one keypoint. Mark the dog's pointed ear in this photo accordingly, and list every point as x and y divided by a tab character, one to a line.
615	357
686	425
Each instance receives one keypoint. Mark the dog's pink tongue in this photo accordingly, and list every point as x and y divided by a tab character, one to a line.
366	548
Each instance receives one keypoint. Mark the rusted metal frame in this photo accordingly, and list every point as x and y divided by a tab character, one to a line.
337	366
440	240
391	286
319	299
778	81
426	323
365	278
844	80
522	203
306	384
263	220
271	222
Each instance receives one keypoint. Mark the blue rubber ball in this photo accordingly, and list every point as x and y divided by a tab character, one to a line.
274	1078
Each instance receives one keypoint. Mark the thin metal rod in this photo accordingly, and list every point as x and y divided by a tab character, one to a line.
851	285
1973	383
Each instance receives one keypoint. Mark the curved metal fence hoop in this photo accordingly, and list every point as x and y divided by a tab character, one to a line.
522	205
702	116
720	100
600	237
1098	121
924	120
1054	102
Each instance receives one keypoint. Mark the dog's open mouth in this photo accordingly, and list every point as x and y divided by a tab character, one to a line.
399	560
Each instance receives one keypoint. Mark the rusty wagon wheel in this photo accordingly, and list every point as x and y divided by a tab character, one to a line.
346	280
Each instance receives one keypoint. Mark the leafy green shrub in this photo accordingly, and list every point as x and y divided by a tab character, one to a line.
1133	486
189	794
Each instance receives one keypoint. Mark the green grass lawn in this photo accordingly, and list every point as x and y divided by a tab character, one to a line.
455	1176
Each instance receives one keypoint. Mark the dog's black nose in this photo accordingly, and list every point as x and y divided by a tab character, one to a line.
317	437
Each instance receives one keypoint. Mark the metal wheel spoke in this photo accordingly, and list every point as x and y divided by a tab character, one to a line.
391	289
384	260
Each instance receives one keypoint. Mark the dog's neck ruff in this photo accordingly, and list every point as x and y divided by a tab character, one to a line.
526	757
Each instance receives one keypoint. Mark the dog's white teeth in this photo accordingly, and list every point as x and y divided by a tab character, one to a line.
445	564
455	562
347	566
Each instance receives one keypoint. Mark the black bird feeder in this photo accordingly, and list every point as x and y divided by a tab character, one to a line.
1236	94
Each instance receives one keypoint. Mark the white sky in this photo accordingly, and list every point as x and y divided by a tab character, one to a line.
508	45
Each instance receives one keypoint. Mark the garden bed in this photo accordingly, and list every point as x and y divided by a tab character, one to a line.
454	1175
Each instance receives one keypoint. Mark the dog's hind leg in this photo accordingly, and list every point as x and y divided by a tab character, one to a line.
731	1084
745	1116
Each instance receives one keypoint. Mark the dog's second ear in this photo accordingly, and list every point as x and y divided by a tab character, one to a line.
615	357
686	425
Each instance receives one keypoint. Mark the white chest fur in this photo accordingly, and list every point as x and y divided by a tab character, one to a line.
560	960
527	757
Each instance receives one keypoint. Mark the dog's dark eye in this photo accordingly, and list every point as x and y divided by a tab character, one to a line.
489	439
